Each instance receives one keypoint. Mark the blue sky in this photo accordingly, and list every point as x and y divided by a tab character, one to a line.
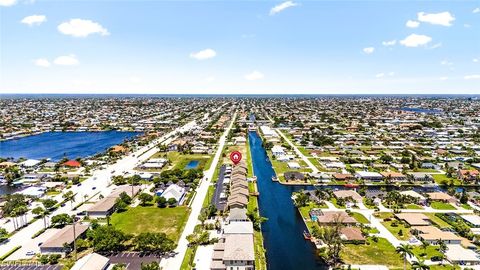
248	47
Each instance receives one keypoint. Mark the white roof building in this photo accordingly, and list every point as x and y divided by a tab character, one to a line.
174	191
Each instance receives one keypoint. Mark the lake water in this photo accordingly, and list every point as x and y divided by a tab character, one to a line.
56	145
420	110
283	231
192	164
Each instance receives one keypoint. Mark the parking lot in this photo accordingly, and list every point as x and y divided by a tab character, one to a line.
30	267
133	260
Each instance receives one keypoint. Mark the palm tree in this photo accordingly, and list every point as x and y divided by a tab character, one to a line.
42	212
405	250
420	265
69	196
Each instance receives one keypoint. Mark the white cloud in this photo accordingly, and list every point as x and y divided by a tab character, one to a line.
442	18
203	54
476	60
412	24
41	62
66	60
278	8
7	3
82	28
368	50
472	77
389	42
382	74
446	63
415	40
477	10
34	20
255	75
443	78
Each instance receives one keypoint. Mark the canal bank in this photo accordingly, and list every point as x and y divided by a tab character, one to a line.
283	231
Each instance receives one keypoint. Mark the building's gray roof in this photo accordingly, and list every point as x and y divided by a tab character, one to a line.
63	236
239	247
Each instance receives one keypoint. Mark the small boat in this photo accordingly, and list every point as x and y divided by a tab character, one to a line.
275	179
350	185
307	235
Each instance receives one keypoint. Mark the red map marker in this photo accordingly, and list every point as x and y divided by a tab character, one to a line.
235	157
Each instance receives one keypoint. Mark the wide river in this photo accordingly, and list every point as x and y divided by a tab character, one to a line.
282	232
56	145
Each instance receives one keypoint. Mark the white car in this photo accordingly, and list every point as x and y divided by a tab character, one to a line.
30	253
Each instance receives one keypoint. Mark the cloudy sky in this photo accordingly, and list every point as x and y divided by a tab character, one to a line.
248	47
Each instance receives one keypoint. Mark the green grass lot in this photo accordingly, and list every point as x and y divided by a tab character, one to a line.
444	267
359	217
383	215
442	206
394	230
381	252
304	151
438	221
412	206
179	160
442	179
249	160
188	259
152	219
426	254
467	206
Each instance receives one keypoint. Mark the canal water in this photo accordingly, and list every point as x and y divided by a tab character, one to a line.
56	145
283	232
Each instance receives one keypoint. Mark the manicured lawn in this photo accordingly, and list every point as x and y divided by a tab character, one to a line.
383	215
152	219
442	179
381	252
412	206
179	160
428	253
444	267
396	229
188	259
467	206
359	217
438	221
442	206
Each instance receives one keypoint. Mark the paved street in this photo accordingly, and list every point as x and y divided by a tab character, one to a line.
176	261
98	182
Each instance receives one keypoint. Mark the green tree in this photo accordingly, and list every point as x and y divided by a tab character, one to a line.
61	219
172	202
107	238
405	250
150	266
69	197
420	265
145	198
3	235
41	212
49	203
161	202
149	242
